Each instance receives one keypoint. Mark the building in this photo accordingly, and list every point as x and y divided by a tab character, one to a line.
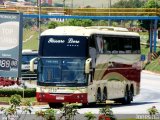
47	1
19	3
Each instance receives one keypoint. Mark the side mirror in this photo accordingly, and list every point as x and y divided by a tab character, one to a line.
87	65
32	64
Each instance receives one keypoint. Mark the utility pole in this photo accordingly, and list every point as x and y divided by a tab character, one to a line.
39	17
37	4
72	4
64	3
109	6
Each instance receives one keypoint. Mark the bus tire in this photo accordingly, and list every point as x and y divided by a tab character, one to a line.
55	105
127	98
104	94
99	95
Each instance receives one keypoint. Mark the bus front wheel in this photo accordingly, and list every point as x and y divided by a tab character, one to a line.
55	105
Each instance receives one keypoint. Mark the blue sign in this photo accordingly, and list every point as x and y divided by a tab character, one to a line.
143	57
10	44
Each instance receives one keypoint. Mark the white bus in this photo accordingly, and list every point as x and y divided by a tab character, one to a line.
88	65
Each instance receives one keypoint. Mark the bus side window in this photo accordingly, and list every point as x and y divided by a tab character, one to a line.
99	41
115	44
128	45
121	45
136	45
107	45
92	54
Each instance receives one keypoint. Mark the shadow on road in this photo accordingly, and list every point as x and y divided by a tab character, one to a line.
113	105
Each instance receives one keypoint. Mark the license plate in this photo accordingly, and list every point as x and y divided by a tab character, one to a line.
59	98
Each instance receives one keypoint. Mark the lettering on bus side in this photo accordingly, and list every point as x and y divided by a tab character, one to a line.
51	40
71	40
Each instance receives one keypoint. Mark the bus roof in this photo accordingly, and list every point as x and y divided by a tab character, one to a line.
110	28
88	31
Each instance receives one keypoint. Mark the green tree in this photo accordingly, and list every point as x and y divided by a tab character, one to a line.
15	100
149	4
11	112
100	23
89	116
46	5
128	4
146	23
69	111
106	113
53	24
153	111
58	5
47	114
79	22
71	22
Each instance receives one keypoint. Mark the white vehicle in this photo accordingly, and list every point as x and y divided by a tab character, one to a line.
86	65
27	55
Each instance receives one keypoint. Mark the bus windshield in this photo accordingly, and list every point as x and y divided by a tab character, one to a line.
62	71
64	46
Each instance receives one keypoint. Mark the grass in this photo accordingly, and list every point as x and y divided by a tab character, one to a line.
6	99
30	38
153	66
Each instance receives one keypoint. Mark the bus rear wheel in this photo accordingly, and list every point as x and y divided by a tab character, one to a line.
55	105
104	94
99	95
128	97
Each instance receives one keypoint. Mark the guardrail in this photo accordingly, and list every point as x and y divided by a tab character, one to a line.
85	11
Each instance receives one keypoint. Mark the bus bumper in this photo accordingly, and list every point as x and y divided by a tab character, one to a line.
61	98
